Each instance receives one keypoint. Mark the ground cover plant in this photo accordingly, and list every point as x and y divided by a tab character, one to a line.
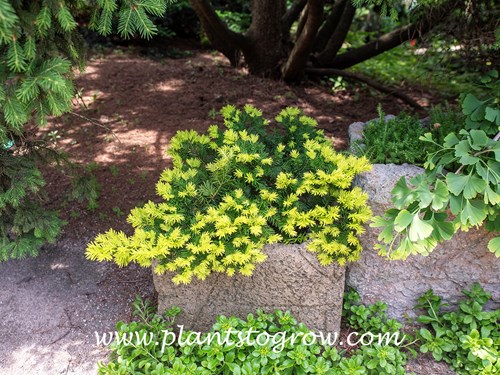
397	140
468	339
233	190
394	140
254	356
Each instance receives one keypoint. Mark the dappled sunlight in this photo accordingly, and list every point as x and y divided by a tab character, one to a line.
45	359
130	108
58	266
167	86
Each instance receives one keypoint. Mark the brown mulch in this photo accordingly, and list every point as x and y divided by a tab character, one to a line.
130	106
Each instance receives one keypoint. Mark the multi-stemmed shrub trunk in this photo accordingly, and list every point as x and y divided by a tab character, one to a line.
269	47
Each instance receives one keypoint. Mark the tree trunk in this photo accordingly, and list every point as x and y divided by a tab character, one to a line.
291	15
329	26
223	39
267	48
264	49
337	39
293	69
301	22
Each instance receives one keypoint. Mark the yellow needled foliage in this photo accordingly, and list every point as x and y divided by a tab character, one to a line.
234	190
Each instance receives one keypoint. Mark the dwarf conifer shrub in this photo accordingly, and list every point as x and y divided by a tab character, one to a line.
233	190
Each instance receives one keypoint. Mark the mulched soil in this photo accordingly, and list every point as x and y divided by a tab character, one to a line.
130	106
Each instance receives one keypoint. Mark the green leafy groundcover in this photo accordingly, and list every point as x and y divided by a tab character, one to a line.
468	339
253	359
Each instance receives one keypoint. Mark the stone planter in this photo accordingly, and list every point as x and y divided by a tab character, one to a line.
290	279
453	266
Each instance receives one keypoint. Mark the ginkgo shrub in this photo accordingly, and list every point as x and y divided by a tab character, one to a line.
231	191
460	186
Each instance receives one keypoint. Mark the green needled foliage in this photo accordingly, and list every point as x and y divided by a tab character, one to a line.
233	190
394	141
461	177
39	47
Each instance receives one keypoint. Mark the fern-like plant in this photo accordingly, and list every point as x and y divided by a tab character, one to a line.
233	190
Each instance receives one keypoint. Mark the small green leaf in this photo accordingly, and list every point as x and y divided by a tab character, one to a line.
494	246
441	195
419	229
425	196
492	115
456	204
444	230
479	138
386	234
425	333
474	212
403	219
490	196
474	186
462	151
473	107
450	140
456	183
402	195
470	185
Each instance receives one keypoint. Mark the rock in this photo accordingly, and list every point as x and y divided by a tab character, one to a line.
451	267
386	118
290	279
380	181
356	132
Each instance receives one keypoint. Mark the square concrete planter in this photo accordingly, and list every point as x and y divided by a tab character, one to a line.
451	267
290	279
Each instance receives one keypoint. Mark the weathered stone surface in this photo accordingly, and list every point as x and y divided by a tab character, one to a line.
356	131
380	181
290	279
453	266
